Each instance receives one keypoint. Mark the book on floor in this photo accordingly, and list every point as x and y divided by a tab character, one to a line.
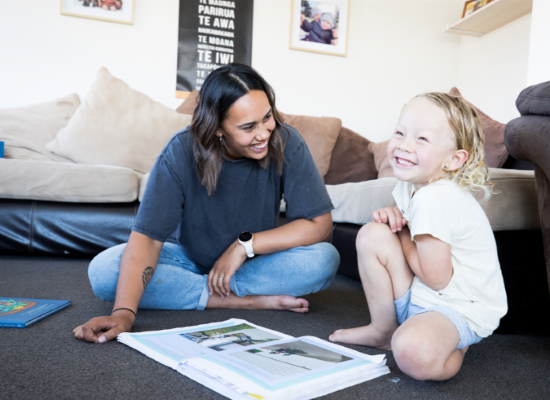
20	313
241	360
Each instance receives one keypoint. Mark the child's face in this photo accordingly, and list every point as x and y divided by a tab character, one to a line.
325	25
423	143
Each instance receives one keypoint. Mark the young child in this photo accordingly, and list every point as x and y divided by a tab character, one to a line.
429	266
321	29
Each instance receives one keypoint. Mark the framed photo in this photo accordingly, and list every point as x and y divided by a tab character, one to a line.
320	26
121	11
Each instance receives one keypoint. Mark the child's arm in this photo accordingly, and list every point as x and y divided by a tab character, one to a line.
306	25
429	259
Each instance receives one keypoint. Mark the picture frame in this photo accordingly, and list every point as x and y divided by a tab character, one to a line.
119	11
320	26
471	6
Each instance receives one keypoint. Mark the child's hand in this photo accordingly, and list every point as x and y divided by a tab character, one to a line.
391	216
335	33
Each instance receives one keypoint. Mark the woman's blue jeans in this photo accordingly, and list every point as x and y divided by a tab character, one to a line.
178	284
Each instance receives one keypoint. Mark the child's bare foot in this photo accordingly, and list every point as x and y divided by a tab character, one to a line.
365	336
260	303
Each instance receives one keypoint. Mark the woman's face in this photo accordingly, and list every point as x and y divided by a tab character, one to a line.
248	126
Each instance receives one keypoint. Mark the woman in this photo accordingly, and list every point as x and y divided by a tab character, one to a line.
219	182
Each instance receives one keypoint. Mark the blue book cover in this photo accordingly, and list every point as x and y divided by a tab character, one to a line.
20	313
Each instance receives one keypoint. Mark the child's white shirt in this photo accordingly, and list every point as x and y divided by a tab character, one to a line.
476	290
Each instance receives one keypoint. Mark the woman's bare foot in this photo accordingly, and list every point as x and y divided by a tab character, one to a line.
260	303
365	336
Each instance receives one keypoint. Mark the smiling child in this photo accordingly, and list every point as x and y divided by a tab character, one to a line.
429	266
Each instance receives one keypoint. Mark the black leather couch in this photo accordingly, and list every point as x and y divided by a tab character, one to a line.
55	229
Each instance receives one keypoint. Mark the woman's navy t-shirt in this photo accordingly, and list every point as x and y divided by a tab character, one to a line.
247	197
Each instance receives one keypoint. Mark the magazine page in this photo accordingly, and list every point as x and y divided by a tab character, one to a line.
265	369
171	346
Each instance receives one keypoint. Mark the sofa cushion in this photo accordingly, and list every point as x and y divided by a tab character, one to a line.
535	100
381	160
143	185
26	130
320	134
68	182
495	150
351	159
513	207
189	104
119	126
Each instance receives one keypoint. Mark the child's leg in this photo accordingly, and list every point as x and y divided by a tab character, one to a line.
385	276
425	347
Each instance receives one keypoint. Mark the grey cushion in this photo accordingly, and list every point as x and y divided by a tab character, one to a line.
535	100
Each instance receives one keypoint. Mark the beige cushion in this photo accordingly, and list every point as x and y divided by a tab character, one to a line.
68	182
142	186
320	135
117	125
514	208
26	130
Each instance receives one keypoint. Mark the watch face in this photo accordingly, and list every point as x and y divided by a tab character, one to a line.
245	236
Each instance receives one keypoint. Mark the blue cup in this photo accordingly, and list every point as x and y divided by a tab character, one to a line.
1	149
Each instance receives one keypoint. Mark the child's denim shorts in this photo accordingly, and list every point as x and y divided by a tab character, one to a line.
405	309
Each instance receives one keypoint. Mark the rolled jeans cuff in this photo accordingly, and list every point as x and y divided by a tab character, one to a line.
204	295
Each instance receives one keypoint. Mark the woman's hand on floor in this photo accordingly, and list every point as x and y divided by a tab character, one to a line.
226	266
103	329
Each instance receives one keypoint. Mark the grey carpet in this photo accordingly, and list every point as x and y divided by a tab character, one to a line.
43	361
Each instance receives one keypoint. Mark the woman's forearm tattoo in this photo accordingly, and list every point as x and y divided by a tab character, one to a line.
147	275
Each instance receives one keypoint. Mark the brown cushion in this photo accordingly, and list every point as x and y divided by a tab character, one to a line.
189	104
320	134
495	150
351	159
383	166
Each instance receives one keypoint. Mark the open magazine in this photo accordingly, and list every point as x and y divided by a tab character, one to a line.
241	360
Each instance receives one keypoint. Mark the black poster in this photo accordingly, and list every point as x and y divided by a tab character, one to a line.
212	33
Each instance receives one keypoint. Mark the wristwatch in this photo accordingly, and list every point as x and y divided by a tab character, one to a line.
246	239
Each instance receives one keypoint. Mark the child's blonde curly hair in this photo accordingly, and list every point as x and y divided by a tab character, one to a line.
468	130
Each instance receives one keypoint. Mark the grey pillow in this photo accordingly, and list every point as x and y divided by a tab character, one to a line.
535	100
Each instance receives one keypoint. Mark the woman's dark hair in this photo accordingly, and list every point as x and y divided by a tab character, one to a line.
223	87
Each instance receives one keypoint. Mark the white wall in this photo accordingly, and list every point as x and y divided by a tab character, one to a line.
396	49
539	54
45	55
493	68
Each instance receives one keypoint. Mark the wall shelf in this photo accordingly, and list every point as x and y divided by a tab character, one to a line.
490	17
